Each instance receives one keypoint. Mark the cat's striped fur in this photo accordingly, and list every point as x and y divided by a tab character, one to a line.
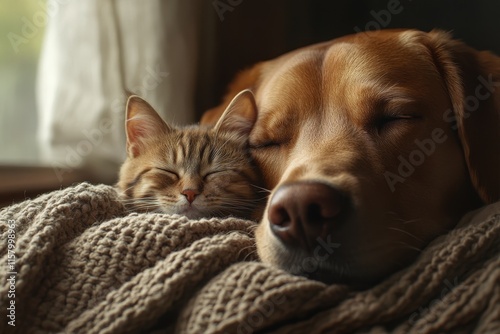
192	171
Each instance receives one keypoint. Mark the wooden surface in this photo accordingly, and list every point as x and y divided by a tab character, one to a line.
18	183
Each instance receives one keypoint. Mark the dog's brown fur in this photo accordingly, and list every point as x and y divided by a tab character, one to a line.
321	116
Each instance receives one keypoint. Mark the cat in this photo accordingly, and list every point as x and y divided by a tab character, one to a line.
193	171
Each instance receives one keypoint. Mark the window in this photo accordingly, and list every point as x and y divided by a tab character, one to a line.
22	26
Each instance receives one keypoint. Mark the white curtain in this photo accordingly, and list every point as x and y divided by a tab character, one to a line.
93	51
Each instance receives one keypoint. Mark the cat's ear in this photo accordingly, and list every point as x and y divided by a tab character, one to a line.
142	122
240	115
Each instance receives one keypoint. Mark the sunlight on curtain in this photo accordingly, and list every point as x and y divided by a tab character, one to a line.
22	26
95	50
92	52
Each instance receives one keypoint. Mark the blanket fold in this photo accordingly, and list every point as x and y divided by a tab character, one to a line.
80	263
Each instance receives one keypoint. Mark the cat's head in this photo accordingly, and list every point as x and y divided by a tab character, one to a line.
193	171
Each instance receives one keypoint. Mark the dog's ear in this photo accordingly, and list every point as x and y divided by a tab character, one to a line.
142	122
473	82
246	79
240	115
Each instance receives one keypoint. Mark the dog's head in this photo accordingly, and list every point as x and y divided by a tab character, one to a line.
373	144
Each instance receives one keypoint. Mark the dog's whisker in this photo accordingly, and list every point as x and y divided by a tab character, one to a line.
405	232
398	218
253	252
407	246
411	221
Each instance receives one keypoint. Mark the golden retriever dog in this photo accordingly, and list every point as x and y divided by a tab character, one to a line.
373	145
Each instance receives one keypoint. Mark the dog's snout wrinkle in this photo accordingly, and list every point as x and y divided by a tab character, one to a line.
301	212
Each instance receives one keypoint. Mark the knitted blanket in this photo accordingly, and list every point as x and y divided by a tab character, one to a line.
75	261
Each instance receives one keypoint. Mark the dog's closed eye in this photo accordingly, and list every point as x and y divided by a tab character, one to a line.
388	122
268	140
265	144
395	113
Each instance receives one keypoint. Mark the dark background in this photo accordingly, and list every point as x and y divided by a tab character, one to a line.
256	30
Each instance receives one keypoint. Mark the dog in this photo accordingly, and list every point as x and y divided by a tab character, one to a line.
373	144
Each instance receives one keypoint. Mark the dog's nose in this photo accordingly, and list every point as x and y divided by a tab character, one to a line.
301	212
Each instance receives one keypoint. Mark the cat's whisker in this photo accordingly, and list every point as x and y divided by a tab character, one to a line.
227	201
261	188
238	199
147	204
125	191
139	199
239	208
238	202
143	208
143	204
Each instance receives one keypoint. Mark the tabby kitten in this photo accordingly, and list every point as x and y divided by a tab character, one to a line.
193	171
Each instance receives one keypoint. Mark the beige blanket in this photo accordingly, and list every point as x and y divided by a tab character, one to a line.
82	264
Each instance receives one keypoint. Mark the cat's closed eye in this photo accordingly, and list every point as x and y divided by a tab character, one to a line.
169	172
213	173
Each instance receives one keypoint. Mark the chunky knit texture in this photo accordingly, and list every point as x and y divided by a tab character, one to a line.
85	265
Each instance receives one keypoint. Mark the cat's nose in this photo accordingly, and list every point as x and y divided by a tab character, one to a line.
190	194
